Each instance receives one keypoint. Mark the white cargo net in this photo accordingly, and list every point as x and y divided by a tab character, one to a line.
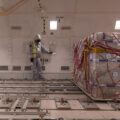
97	65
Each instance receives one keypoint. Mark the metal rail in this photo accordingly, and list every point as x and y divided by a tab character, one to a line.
95	99
38	87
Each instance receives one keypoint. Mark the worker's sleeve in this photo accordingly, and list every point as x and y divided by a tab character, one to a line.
44	49
31	48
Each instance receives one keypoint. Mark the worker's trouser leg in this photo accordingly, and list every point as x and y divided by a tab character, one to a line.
34	68
39	68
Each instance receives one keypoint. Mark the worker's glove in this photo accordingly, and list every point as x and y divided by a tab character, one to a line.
31	60
30	45
50	52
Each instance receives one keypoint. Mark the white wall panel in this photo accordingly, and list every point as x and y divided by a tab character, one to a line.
5	51
26	22
4	27
98	5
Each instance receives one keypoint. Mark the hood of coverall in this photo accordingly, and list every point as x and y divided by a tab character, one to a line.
38	37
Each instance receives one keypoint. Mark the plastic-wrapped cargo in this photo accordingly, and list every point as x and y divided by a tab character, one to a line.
97	66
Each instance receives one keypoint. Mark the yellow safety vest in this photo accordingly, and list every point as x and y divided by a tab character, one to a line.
34	50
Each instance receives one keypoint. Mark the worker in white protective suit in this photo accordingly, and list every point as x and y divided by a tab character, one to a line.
36	48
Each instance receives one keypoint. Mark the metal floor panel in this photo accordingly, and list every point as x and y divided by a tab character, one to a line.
38	87
43	99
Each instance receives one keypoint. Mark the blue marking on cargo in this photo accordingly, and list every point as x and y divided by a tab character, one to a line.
109	41
103	60
118	60
110	85
94	85
104	36
91	60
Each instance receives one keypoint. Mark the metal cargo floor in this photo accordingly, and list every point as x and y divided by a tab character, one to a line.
50	99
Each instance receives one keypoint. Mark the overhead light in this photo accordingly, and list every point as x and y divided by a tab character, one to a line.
117	25
53	25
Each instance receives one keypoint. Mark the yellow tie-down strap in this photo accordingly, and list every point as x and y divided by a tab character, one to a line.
97	50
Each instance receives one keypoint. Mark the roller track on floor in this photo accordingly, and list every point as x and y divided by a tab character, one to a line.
48	99
38	87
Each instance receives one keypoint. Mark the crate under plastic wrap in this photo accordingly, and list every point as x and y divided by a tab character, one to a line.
97	65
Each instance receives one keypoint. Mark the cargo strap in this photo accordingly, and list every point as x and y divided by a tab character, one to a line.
96	50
